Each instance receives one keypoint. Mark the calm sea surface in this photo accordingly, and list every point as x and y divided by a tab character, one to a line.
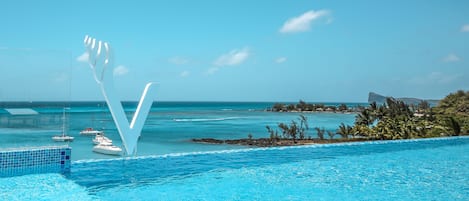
168	129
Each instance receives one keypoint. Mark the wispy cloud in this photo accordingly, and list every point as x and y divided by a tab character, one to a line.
233	58
451	58
178	60
212	70
83	57
280	60
465	28
303	22
435	78
185	73
120	70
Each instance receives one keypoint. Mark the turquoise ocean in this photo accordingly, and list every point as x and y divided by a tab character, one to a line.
169	127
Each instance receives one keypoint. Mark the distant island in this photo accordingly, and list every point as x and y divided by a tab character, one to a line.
302	106
392	120
380	99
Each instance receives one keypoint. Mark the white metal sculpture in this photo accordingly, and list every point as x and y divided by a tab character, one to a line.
101	62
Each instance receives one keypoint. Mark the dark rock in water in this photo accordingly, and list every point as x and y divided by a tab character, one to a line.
267	142
261	142
380	99
208	140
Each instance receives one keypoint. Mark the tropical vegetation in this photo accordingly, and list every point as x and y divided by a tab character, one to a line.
295	131
389	121
392	120
396	120
302	106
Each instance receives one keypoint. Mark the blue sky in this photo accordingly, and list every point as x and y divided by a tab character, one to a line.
237	50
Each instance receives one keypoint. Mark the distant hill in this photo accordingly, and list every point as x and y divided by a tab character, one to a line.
380	99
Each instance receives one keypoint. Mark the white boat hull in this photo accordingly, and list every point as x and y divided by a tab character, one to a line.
91	132
107	149
63	138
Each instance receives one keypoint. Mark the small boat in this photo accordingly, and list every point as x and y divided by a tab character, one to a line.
63	137
90	131
107	148
100	138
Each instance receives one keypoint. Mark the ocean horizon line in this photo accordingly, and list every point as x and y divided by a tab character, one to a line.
178	101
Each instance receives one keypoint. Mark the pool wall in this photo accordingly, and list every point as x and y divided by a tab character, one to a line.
35	160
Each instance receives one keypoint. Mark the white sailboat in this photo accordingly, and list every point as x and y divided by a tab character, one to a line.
90	131
63	137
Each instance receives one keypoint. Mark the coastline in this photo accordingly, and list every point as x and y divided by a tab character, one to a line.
267	142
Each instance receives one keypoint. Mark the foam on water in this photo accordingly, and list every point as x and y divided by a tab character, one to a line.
206	119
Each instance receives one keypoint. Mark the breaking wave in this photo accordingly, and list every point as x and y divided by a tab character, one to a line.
205	119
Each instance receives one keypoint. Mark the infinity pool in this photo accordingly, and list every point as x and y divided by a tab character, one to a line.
430	169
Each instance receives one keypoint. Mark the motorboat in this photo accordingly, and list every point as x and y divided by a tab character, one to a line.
63	137
100	138
107	148
90	131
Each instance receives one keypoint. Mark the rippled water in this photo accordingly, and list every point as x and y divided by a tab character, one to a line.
168	129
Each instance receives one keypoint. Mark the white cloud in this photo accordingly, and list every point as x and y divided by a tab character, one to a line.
83	57
178	60
233	58
185	73
451	58
465	28
303	22
120	70
280	60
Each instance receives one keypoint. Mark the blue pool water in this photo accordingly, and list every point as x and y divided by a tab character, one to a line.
429	169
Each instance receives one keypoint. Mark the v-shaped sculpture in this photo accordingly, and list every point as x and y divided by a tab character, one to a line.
101	62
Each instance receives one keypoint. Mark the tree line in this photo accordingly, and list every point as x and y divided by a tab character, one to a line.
302	106
392	120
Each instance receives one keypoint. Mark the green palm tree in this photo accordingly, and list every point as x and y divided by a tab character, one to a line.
303	126
320	132
284	128
293	131
345	131
364	118
454	125
331	134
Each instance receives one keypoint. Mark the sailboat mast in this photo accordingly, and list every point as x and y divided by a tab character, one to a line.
63	122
